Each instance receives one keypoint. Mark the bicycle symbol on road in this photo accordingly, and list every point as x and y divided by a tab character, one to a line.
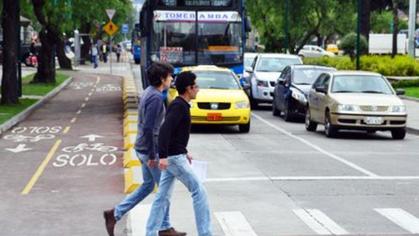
31	139
108	88
81	85
99	147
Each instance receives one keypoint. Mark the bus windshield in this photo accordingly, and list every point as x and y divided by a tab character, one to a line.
190	38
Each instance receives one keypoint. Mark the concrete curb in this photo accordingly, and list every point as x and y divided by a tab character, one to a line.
411	130
22	115
410	98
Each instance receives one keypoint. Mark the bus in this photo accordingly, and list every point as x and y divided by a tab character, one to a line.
193	32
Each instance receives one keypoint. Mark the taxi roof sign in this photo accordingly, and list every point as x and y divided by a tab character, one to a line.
110	28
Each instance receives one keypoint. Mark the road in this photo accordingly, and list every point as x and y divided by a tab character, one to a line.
276	180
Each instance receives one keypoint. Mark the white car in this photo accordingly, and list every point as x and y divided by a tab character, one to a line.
314	51
264	72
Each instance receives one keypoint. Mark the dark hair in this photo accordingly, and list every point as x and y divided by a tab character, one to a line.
183	80
157	71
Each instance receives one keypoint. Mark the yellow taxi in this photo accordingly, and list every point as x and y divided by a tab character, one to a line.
220	100
333	48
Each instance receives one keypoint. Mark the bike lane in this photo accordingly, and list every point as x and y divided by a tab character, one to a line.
62	166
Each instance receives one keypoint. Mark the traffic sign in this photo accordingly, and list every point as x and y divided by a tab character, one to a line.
125	28
110	28
110	13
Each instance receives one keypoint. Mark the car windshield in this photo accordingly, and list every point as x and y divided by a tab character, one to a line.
275	64
360	84
307	75
216	80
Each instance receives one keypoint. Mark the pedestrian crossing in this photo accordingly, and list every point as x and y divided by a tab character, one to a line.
235	223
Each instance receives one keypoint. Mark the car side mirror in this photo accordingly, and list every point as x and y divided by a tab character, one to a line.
400	92
321	90
249	69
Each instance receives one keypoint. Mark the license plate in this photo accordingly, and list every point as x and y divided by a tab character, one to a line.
373	120
214	117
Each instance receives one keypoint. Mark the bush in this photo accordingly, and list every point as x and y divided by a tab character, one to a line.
406	83
385	65
348	45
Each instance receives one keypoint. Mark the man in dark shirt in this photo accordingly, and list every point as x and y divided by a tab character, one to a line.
151	113
175	161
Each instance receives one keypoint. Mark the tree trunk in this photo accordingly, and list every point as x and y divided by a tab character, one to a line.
85	48
46	60
365	18
63	60
9	84
395	27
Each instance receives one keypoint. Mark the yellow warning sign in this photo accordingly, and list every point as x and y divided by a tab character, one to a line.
110	28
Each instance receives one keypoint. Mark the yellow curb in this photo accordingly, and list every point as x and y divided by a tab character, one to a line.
131	159
130	119
132	178
131	112
129	141
130	128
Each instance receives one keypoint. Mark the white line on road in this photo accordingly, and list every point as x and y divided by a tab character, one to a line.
86	99
90	94
402	218
234	223
311	222
310	178
137	219
348	163
73	120
326	222
78	112
83	105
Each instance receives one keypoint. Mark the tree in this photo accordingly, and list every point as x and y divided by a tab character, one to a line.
10	18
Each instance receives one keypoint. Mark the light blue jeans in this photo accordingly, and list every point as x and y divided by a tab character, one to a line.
151	176
179	168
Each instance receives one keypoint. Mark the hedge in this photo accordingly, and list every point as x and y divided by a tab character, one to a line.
385	65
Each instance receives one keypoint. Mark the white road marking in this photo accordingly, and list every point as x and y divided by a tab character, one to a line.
331	155
311	222
73	120
86	99
83	105
234	223
137	219
326	222
78	112
402	218
310	178
90	94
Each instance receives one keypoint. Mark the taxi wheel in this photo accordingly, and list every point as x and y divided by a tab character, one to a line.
310	125
398	133
329	129
244	128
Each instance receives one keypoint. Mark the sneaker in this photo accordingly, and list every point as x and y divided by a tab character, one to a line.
110	221
171	232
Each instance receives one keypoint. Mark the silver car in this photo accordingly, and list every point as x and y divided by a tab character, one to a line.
264	72
355	100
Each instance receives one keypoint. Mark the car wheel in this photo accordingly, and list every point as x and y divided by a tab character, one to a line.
310	125
244	128
398	133
287	113
329	129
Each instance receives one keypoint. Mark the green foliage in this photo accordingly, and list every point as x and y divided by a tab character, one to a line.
385	65
348	44
412	92
8	111
406	84
40	89
381	22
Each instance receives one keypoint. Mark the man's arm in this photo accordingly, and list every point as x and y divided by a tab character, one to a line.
152	109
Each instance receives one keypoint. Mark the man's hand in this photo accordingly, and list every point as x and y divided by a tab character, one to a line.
152	163
189	158
163	164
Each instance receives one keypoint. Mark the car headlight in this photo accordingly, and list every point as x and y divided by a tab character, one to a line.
348	108
242	105
262	83
398	109
299	96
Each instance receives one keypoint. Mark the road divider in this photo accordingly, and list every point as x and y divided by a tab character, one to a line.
132	165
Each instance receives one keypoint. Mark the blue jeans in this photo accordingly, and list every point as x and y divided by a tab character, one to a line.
179	168
151	176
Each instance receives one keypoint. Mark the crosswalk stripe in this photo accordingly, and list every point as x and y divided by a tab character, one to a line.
311	222
234	223
401	217
319	222
137	219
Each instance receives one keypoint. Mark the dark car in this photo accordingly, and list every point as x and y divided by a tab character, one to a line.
292	87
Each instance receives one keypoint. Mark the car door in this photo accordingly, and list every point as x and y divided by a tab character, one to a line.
281	89
314	99
323	99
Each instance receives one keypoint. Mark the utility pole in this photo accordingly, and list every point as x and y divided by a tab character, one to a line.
412	26
358	36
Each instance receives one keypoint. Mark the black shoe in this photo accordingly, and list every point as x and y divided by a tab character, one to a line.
171	232
110	221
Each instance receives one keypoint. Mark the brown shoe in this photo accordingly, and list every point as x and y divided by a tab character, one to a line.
171	232
110	221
